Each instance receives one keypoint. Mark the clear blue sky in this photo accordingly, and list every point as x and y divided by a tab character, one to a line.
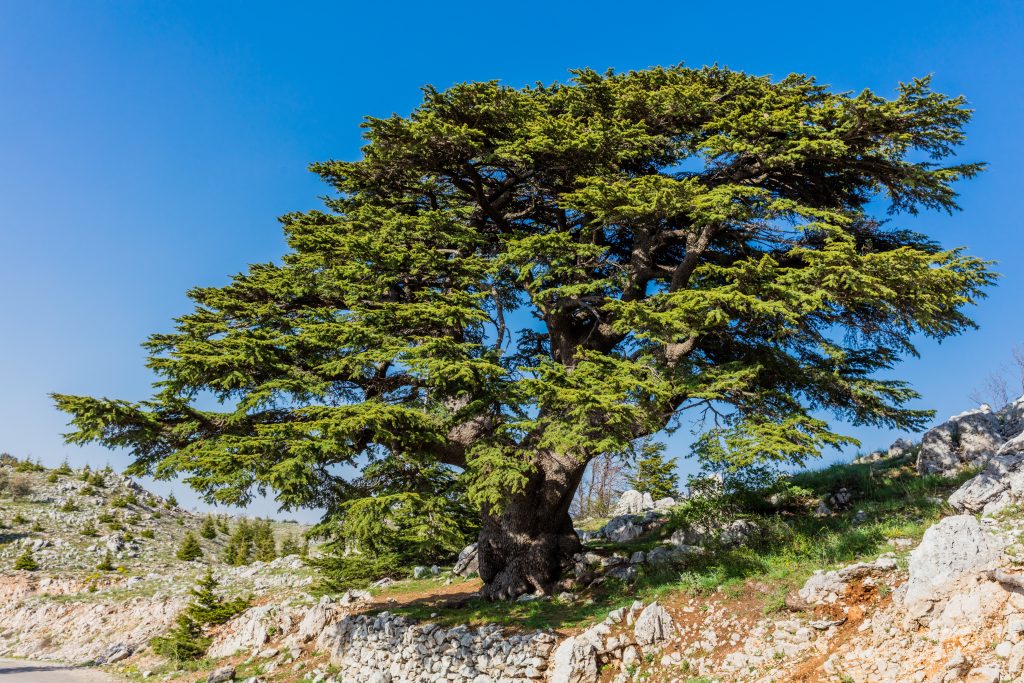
148	147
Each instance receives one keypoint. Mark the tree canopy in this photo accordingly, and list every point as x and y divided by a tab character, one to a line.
511	281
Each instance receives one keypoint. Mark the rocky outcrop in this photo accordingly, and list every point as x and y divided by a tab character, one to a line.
468	562
826	588
251	630
654	626
950	548
969	439
633	503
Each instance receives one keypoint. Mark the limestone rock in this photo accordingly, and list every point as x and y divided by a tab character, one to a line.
468	562
654	626
949	548
633	503
221	675
969	439
622	529
998	486
1011	418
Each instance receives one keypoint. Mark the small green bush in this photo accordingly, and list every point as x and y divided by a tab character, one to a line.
208	529
189	549
26	562
107	563
147	533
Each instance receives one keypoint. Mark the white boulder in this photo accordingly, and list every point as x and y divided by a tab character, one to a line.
951	547
969	439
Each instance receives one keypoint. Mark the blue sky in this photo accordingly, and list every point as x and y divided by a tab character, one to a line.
148	147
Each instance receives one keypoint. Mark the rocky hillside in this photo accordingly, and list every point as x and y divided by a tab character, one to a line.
906	565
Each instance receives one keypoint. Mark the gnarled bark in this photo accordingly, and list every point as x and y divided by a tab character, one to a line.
526	547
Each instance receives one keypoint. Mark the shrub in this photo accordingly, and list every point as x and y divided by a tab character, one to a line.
189	549
27	465
37	526
26	561
187	640
52	478
69	505
172	502
89	530
107	563
19	518
147	533
290	546
105	517
64	469
96	479
20	485
250	541
208	529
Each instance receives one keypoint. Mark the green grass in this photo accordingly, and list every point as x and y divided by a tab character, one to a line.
897	502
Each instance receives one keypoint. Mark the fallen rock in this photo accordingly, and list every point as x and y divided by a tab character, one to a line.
654	626
225	673
468	562
115	653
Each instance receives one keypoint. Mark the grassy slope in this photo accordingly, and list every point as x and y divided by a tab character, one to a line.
890	499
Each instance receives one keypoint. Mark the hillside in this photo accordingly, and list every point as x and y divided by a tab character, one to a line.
901	566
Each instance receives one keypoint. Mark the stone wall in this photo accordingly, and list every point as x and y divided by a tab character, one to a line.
391	648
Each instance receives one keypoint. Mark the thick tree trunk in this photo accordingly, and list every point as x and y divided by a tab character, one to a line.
526	547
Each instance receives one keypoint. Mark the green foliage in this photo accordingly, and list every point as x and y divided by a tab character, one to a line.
26	561
208	529
208	607
402	512
172	502
251	540
189	549
89	530
107	563
97	480
290	546
52	478
187	641
69	505
19	518
770	281
655	474
125	500
64	469
28	465
147	533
